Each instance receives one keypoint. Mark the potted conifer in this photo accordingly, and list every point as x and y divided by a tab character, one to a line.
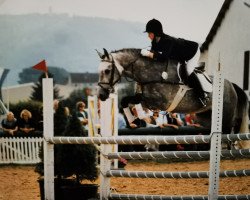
73	163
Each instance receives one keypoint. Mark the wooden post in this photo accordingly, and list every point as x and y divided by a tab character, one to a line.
48	127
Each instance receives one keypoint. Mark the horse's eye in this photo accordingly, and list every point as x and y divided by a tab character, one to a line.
107	71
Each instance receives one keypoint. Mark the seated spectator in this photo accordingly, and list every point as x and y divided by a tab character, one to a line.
9	124
173	119
146	121
161	119
156	120
121	119
137	123
82	114
191	120
25	123
182	118
148	112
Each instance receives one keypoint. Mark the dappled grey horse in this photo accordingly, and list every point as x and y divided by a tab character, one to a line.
159	93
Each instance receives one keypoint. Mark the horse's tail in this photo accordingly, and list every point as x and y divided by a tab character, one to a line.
242	116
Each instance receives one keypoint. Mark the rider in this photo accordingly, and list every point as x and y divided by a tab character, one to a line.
184	51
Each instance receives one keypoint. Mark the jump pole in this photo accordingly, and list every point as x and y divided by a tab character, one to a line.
48	148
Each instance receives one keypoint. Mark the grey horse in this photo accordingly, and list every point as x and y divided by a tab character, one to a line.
159	93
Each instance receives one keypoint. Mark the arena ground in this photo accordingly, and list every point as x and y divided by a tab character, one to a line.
20	182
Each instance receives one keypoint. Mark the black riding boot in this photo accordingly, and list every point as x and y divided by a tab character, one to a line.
194	83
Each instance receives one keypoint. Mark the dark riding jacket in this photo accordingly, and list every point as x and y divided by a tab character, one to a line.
173	48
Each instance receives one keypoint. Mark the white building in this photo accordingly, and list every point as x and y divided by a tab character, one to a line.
229	42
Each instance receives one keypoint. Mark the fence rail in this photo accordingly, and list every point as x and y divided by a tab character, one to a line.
18	150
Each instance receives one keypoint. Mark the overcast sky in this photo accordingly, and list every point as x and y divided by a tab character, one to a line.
191	19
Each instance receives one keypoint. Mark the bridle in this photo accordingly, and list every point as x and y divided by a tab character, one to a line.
112	80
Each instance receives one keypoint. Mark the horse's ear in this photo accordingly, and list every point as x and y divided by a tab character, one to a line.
100	54
106	53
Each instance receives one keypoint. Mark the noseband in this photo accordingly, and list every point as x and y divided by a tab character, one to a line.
111	82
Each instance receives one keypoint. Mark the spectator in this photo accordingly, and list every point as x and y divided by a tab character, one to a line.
173	119
161	119
55	105
148	112
9	124
82	114
182	118
191	120
40	120
25	123
137	123
121	119
67	112
86	92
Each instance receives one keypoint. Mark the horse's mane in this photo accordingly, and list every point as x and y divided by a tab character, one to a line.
137	53
128	50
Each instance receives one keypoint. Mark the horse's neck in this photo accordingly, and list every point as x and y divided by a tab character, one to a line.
125	59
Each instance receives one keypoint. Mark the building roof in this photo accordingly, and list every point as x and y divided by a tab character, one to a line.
216	25
84	77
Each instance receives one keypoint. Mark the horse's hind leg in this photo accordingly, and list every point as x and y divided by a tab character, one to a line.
242	117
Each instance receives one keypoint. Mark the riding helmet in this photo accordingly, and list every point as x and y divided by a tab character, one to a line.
154	26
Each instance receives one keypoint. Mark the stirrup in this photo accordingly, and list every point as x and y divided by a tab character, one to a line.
204	100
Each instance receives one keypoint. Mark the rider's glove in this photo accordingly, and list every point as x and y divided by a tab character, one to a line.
145	52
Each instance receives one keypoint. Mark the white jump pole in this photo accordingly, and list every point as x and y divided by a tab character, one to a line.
216	131
48	148
105	163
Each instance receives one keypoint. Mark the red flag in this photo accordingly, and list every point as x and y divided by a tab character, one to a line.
41	66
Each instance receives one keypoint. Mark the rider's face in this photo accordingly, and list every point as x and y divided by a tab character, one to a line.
151	36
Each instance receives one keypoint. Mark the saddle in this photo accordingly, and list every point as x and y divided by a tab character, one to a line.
199	71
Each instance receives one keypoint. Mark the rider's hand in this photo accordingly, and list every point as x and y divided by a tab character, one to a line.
145	52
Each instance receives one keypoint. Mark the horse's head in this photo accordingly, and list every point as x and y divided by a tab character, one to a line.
109	74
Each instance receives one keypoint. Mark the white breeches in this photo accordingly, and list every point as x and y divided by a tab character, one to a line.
193	62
